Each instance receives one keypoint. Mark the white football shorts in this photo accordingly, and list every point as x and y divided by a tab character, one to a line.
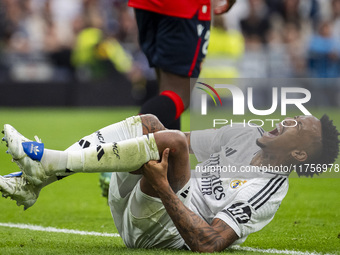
142	220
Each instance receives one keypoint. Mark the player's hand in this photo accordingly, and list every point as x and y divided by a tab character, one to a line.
222	6
156	172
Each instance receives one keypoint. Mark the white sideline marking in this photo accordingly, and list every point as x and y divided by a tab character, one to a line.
56	230
92	233
241	248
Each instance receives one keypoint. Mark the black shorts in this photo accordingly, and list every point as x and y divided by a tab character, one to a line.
175	45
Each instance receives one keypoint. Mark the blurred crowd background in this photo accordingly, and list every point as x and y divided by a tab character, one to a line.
92	40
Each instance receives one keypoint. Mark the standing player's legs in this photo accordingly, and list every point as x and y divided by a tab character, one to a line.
176	89
175	47
173	99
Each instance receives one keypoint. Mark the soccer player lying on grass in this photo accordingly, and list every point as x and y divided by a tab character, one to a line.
163	204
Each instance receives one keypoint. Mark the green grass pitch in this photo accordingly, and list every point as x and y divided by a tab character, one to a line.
308	219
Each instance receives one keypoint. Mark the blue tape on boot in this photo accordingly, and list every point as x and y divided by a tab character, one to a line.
34	150
16	174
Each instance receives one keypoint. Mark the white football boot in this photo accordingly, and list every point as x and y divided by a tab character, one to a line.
26	154
17	187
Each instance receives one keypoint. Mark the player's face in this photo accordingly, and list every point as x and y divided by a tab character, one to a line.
297	133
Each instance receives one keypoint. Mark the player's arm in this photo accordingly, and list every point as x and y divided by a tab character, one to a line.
222	6
197	234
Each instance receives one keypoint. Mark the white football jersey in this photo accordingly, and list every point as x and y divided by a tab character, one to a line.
245	201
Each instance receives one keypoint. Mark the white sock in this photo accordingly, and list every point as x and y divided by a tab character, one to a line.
124	156
53	159
120	131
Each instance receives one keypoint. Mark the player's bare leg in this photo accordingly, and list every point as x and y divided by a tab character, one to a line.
176	83
179	166
173	99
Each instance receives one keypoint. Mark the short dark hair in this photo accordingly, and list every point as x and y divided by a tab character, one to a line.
330	147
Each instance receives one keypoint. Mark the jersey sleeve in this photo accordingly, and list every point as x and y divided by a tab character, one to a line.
255	206
201	143
209	141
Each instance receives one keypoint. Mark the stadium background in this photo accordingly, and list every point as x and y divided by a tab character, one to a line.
69	67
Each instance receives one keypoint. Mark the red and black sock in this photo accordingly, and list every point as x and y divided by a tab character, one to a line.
168	107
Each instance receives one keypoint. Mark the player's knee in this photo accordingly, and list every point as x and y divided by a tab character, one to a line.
178	143
149	117
174	140
152	123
